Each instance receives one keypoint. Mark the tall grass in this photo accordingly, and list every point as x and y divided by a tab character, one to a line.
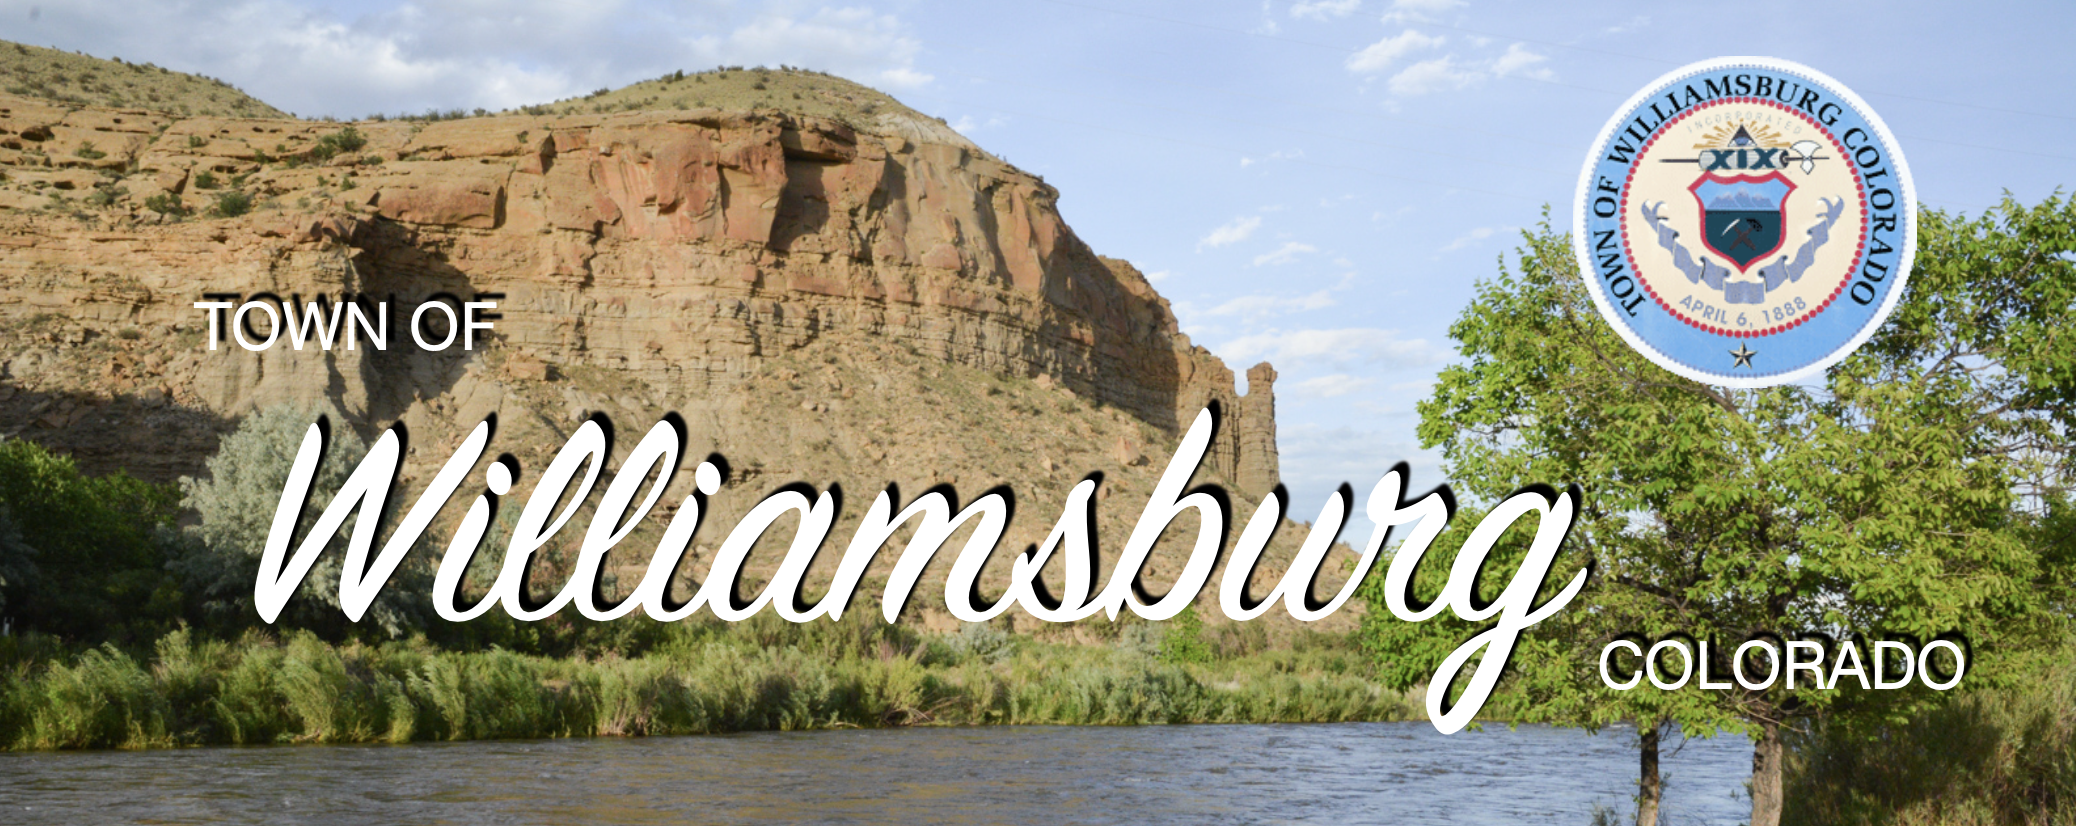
1999	756
698	679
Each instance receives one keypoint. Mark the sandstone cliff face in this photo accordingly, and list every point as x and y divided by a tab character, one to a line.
820	301
678	247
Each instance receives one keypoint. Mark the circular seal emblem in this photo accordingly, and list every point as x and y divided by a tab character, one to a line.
1745	222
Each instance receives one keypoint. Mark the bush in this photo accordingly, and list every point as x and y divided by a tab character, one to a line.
219	561
107	195
1184	641
86	150
206	180
1998	756
99	569
231	204
17	558
348	139
166	203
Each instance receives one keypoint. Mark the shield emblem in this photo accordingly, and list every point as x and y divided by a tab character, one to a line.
1742	216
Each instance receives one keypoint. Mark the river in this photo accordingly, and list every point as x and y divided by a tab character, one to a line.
1267	774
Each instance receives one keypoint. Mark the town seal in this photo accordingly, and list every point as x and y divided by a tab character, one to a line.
1745	222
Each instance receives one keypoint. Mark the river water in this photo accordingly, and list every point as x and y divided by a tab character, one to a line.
1315	774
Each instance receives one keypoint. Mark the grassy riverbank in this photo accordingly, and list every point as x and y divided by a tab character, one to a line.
190	690
1996	756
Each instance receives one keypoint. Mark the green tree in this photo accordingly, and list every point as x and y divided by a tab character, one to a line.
236	504
1901	496
17	561
99	571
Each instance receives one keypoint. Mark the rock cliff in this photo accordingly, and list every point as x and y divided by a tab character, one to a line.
854	299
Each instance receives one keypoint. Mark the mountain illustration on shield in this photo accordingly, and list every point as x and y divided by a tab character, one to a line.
1744	197
1742	216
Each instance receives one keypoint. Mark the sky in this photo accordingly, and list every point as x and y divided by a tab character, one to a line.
1319	184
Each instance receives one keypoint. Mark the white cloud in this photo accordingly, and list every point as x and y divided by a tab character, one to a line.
1157	276
1324	9
1278	155
1472	237
1518	60
1446	73
1290	251
1268	20
1234	231
1438	75
1405	10
966	125
902	78
1333	385
1632	24
446	54
1347	345
1380	55
1255	307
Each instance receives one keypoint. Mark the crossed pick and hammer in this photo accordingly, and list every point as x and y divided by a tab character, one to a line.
1805	151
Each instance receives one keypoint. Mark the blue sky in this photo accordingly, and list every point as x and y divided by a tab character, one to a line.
1317	183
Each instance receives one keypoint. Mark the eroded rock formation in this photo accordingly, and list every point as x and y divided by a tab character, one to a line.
820	300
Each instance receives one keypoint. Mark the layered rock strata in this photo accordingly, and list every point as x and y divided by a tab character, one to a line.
820	301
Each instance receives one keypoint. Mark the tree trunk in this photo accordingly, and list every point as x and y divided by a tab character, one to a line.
1766	791
1648	788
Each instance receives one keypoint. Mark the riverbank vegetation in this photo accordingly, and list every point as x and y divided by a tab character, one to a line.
685	678
2003	755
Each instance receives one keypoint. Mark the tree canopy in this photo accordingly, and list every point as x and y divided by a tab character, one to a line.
1914	492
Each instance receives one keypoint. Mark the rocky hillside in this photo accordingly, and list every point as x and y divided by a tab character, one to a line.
825	294
78	80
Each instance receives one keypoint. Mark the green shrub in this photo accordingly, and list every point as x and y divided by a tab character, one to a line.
206	180
100	556
166	203
1184	641
1996	756
103	699
104	196
86	150
348	139
17	558
231	204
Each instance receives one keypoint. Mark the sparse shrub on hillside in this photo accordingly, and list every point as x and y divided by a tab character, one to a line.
86	150
166	203
206	180
231	204
344	141
348	139
105	196
196	141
